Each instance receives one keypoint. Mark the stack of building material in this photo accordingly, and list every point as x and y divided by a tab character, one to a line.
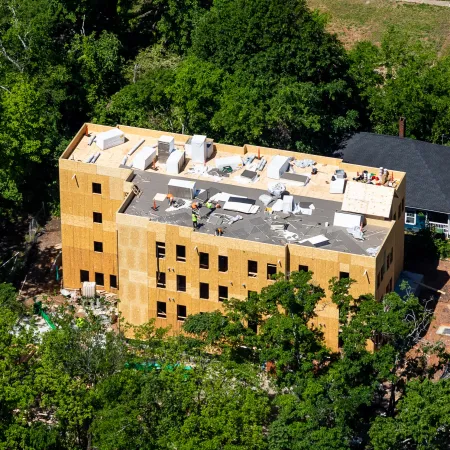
144	158
277	167
88	289
199	152
181	188
294	178
166	145
175	162
239	204
288	203
347	220
337	186
109	139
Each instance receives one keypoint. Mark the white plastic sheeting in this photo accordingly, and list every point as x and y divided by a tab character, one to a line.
347	220
235	162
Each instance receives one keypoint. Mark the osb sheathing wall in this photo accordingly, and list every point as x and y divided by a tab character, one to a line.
138	268
77	226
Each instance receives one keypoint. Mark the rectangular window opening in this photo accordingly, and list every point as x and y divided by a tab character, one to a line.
252	268
84	275
161	310
410	218
223	293
252	325
96	188
302	268
204	291
160	250
204	260
97	217
181	283
99	279
113	281
181	253
160	279
223	263
271	271
181	313
343	275
98	246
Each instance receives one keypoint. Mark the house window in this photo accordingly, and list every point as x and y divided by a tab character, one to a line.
98	246
113	281
303	268
204	260
160	279
252	268
395	216
204	290
181	283
223	263
181	312
399	210
84	275
161	310
378	279
403	204
97	217
343	275
160	250
223	293
96	188
271	271
99	279
181	253
391	255
410	218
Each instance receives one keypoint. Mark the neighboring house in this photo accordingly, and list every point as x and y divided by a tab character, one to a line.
428	174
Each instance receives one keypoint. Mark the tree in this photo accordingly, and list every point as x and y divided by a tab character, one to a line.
271	62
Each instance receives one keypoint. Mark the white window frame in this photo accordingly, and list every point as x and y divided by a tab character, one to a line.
409	214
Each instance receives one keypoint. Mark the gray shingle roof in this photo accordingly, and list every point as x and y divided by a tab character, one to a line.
427	166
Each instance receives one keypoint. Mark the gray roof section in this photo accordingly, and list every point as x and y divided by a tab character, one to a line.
427	166
253	227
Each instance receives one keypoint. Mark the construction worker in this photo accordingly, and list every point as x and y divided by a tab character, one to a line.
170	199
219	232
209	205
194	220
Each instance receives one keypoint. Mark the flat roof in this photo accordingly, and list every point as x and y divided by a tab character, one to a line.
317	187
259	227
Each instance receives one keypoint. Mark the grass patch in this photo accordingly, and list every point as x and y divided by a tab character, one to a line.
356	20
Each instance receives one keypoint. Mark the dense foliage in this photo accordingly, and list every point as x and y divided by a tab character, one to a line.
261	71
226	386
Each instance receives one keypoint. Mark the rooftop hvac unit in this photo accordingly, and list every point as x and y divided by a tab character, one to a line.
277	167
144	158
181	188
166	145
199	151
109	139
175	162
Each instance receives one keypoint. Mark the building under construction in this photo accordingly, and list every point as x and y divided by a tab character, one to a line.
175	224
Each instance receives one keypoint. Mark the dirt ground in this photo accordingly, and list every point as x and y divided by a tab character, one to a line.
42	262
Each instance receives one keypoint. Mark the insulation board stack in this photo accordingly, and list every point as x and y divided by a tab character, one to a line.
198	149
175	162
144	158
166	145
288	203
181	188
347	220
109	139
277	167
